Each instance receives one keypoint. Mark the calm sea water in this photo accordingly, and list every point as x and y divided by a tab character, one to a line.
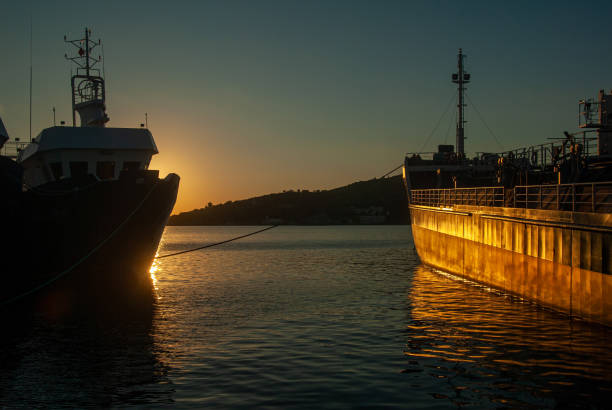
308	317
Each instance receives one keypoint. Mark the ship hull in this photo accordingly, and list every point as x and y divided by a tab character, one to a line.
92	246
559	259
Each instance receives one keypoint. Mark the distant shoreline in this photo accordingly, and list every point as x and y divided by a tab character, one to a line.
374	202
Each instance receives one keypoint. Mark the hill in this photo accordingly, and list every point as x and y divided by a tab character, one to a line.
377	201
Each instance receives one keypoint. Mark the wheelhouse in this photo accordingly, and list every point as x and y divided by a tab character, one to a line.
58	153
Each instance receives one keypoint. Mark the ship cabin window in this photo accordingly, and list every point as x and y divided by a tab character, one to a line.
56	170
78	169
131	165
105	169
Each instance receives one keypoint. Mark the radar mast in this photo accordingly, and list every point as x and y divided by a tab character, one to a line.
88	92
460	78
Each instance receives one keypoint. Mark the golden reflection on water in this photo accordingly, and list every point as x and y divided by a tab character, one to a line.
455	320
155	267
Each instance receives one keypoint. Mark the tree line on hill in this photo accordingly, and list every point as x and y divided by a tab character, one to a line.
377	201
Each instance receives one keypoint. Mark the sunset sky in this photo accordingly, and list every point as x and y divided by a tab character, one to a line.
252	97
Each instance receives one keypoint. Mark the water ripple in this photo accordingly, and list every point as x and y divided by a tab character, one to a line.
308	317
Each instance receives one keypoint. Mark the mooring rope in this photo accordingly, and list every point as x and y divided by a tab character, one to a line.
241	236
84	258
393	170
215	244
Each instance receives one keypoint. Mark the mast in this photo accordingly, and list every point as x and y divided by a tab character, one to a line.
88	90
460	78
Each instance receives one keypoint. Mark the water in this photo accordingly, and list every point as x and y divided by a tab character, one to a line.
307	317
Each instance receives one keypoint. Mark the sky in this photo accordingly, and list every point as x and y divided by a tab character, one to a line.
246	98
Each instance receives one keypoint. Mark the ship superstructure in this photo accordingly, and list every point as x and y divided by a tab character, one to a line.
64	152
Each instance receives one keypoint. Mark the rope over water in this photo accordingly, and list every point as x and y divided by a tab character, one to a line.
215	244
243	236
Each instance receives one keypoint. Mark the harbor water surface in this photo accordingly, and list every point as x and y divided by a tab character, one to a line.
307	317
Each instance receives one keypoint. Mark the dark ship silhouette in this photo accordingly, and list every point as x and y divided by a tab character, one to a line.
83	213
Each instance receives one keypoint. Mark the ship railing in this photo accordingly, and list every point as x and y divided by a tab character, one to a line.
580	197
536	156
12	148
420	155
481	196
543	155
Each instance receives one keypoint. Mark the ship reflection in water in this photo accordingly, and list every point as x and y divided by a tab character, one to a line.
490	346
83	358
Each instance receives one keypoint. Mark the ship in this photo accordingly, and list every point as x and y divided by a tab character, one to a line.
534	222
83	213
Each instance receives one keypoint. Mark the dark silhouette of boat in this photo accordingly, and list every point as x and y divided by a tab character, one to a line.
83	213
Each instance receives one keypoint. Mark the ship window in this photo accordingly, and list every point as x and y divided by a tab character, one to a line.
78	169
131	165
105	169
56	170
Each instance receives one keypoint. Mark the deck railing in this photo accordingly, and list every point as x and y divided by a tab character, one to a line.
583	197
483	196
12	148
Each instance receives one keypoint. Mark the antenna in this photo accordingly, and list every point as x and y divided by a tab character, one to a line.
30	75
54	116
146	120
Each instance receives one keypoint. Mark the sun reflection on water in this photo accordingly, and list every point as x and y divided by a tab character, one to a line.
155	267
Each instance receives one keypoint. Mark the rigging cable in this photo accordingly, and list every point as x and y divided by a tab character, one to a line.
439	121
216	243
450	123
429	137
484	122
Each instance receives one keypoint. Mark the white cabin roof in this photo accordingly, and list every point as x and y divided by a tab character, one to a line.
90	138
